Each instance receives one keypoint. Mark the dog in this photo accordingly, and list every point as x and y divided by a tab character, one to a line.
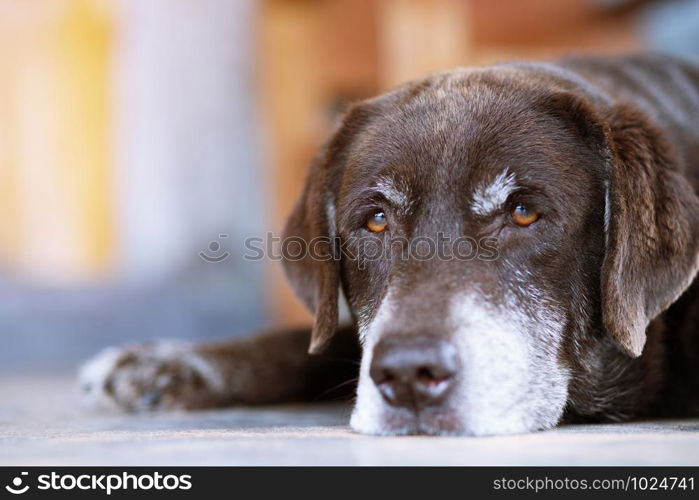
578	181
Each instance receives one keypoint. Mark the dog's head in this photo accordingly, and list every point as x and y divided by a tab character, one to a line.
497	233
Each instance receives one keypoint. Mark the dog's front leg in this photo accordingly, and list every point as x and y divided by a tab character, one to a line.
265	369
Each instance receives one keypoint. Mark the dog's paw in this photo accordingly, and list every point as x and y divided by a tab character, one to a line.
156	376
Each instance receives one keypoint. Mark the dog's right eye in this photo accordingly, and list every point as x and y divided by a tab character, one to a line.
523	216
377	222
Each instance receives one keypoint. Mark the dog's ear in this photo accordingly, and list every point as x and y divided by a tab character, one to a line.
309	246
652	229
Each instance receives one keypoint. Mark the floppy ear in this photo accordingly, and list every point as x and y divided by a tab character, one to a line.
652	224
309	250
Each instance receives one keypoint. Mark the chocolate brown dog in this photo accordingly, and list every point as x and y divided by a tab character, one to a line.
576	182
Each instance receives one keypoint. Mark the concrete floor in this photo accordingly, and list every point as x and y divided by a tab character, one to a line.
41	424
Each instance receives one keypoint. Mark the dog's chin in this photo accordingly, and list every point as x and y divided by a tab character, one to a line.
400	422
437	423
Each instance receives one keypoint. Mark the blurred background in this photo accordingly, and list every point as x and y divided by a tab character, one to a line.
142	141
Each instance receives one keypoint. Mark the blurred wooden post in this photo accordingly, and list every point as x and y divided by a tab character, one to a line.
9	197
313	53
56	157
417	37
292	103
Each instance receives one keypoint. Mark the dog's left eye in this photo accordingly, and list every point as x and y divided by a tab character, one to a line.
523	216
377	222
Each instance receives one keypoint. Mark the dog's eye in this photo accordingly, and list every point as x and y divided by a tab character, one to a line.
524	217
377	222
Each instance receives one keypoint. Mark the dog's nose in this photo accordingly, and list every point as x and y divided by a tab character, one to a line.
415	372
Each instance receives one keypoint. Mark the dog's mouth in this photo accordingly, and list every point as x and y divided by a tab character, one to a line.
441	422
426	422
